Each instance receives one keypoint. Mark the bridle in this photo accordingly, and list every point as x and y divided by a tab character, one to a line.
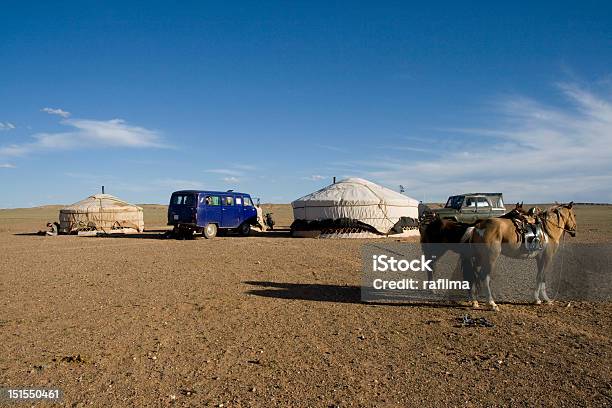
559	218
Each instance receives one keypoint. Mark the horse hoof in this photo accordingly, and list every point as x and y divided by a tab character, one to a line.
494	307
550	302
538	302
475	304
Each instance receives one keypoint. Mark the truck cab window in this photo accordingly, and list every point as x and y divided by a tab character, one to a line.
482	202
228	200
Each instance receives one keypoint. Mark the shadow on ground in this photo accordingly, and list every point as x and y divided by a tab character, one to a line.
317	292
166	234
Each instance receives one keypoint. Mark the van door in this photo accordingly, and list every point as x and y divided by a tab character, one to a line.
238	201
230	217
213	213
182	208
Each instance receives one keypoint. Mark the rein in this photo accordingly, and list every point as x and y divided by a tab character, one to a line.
546	219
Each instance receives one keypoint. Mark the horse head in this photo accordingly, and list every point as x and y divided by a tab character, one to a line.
566	217
534	212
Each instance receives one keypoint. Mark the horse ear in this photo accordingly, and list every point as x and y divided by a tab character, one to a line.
521	204
556	202
570	205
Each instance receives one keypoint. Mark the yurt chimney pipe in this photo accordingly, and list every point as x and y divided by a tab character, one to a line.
102	189
334	179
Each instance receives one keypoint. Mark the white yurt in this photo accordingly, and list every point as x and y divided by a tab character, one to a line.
101	212
355	208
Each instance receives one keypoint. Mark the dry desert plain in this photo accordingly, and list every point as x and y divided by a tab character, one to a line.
268	320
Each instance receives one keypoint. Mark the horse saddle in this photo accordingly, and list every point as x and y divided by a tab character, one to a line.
534	238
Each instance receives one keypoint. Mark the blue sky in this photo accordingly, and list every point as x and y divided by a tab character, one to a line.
276	99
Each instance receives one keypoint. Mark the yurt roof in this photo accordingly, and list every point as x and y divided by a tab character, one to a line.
354	191
98	202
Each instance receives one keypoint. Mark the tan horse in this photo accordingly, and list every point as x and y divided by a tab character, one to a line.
498	236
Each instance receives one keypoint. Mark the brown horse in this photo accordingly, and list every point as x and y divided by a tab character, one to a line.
498	236
435	230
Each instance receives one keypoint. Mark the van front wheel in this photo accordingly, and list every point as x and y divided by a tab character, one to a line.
244	229
210	231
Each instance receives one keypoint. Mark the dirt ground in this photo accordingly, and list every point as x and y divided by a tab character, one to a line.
269	320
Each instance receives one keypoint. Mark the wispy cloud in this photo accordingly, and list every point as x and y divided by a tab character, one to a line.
6	126
235	173
7	166
88	133
536	152
314	177
176	184
58	112
228	172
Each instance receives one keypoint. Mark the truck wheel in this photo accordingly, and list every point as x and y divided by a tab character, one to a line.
210	231
244	229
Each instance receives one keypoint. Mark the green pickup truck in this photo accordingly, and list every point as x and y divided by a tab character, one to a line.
472	206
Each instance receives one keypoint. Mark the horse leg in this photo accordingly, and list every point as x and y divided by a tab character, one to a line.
543	264
490	300
474	290
468	269
434	253
488	268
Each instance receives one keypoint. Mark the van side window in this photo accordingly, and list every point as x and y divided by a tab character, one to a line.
238	200
248	202
213	200
229	200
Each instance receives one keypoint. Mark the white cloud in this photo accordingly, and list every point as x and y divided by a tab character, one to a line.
227	172
176	184
314	177
231	179
7	166
536	152
87	133
58	112
6	126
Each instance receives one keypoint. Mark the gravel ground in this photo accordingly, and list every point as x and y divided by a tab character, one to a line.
272	321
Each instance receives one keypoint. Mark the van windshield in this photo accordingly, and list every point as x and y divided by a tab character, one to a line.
184	199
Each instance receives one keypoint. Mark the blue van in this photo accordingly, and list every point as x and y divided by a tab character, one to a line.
209	211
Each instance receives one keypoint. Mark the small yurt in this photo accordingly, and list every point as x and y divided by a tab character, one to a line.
355	208
101	212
